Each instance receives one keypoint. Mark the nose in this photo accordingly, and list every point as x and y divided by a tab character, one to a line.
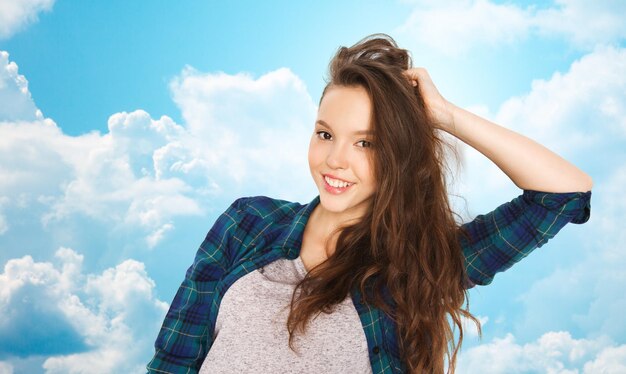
337	157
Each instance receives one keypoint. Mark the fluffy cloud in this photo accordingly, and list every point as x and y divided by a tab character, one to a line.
553	352
242	136
455	26
611	360
84	322
4	226
32	289
17	14
585	23
580	108
105	177
259	129
6	368
112	177
17	103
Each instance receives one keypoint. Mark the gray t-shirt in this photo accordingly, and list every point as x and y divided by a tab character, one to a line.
251	329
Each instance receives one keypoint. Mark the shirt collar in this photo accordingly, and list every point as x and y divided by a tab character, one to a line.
290	240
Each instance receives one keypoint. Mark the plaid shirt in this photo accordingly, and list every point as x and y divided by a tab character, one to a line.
256	231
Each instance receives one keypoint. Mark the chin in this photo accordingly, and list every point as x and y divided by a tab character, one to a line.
336	204
331	205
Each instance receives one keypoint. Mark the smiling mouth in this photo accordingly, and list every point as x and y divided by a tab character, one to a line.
336	186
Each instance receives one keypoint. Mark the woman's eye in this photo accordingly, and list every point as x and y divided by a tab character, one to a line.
323	135
364	143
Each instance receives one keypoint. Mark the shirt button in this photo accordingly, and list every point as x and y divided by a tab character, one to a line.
376	350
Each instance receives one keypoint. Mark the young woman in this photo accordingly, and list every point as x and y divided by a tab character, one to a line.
372	274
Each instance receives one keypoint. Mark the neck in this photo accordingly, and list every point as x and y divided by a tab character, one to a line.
324	223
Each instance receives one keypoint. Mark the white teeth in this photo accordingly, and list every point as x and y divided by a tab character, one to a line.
337	183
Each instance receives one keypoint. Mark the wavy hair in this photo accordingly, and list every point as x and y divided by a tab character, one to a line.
407	242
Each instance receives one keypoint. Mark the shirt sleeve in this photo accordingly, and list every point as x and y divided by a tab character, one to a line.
495	241
184	339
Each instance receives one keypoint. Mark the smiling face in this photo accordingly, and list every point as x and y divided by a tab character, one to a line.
339	152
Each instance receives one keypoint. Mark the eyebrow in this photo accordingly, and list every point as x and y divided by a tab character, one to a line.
359	132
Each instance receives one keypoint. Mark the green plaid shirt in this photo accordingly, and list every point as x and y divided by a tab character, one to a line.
256	231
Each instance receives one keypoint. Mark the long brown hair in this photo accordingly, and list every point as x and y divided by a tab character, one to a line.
407	241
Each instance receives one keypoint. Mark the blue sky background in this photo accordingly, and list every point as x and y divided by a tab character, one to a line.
126	128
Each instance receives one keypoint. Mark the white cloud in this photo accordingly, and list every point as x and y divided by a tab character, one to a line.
553	352
17	103
453	27
94	322
258	129
588	99
243	136
154	238
612	360
456	26
4	226
116	324
585	23
108	178
6	368
112	179
15	15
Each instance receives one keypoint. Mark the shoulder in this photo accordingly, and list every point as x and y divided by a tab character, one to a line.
266	208
260	222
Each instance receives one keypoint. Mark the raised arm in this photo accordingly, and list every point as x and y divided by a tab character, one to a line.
530	165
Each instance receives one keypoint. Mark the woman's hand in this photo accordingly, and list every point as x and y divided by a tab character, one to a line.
441	110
